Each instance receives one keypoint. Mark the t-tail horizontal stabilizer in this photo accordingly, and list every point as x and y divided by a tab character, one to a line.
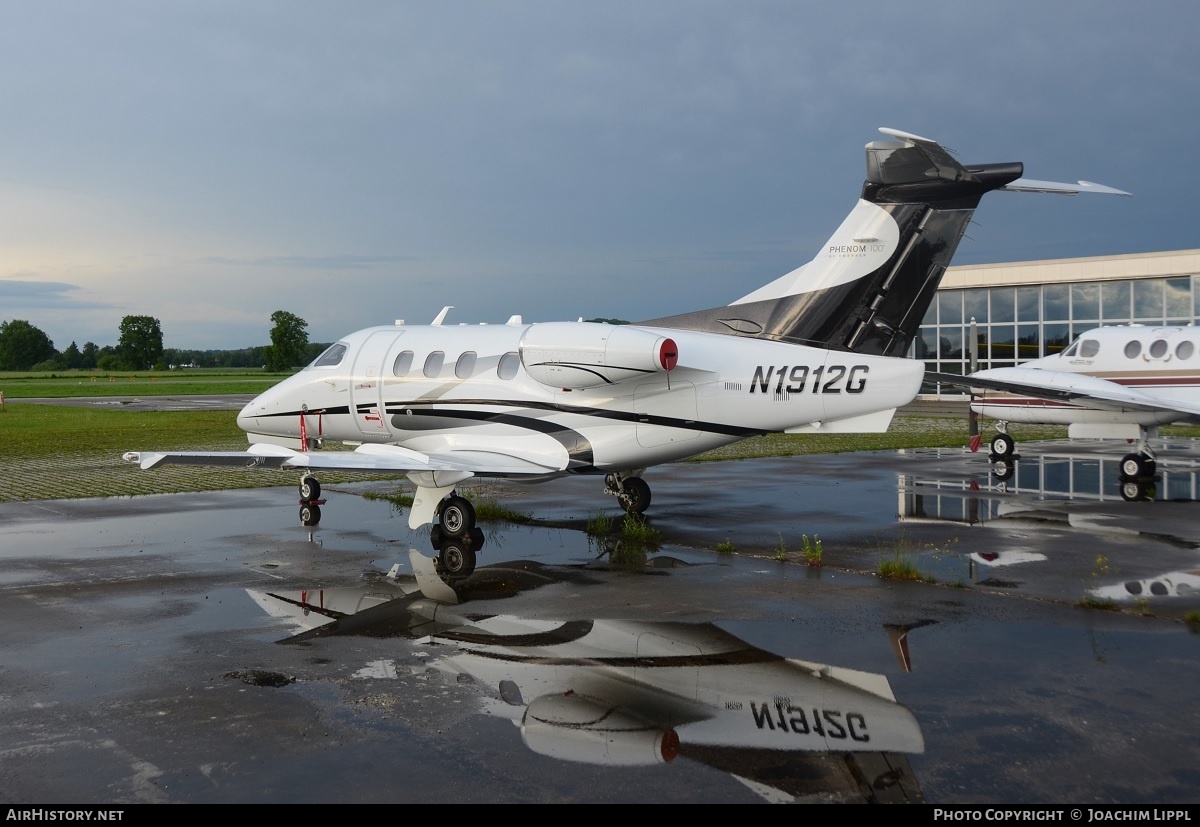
869	286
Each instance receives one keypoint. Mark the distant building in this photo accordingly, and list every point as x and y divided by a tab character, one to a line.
1028	309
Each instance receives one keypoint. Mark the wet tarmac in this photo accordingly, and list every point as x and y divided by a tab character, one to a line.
208	648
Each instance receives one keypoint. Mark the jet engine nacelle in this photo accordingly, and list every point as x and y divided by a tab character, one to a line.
581	355
573	728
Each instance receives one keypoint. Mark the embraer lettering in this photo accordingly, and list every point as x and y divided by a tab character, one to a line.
797	379
787	718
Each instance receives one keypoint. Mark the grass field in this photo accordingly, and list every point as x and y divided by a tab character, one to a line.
192	382
52	452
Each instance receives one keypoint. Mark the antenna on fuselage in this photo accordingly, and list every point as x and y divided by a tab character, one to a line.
441	317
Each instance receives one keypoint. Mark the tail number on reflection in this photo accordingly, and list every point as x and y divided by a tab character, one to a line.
827	723
825	379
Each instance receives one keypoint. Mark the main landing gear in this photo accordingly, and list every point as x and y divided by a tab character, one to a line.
456	538
631	491
1141	464
1002	447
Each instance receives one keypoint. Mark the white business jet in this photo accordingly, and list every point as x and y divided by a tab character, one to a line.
819	350
1118	382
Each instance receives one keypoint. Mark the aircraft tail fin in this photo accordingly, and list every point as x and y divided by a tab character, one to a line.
868	288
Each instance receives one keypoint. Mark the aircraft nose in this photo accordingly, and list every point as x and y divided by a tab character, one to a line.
245	418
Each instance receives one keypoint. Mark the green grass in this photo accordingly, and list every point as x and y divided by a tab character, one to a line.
32	431
635	527
905	432
900	568
1104	604
781	550
400	499
98	383
725	547
813	550
599	525
489	509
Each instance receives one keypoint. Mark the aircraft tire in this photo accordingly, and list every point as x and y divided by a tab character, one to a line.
456	560
1137	466
310	488
1132	491
1003	446
1003	470
310	515
635	499
457	517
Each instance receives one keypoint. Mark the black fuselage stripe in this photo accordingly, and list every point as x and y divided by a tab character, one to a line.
462	409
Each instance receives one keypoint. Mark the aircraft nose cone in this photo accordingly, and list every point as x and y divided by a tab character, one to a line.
246	419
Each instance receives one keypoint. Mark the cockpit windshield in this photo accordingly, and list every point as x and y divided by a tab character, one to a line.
331	357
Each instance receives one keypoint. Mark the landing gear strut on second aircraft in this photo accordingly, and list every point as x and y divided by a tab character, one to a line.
1003	446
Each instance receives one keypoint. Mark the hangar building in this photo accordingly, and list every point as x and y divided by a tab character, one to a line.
1028	309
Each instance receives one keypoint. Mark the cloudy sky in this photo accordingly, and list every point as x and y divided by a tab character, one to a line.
210	162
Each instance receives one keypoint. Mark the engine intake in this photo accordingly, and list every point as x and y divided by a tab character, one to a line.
578	355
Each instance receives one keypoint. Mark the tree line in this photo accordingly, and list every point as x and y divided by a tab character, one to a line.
25	347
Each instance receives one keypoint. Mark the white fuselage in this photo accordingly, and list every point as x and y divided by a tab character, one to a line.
390	386
1158	362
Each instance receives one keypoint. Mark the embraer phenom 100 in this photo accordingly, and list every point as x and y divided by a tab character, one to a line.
819	350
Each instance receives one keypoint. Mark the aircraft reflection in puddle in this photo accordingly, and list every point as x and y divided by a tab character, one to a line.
1050	479
1171	584
1078	492
628	694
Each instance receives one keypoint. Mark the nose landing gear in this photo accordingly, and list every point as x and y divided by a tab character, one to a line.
631	491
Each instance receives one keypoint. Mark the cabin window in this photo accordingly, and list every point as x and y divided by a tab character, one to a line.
403	364
1158	348
509	363
433	363
1133	349
1184	350
1088	348
465	365
331	357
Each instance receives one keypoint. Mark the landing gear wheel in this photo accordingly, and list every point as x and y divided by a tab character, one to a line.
1132	491
1003	446
1137	466
310	489
1003	470
310	515
457	517
456	560
635	498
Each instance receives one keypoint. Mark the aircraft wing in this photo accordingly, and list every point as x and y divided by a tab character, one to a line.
369	458
1089	391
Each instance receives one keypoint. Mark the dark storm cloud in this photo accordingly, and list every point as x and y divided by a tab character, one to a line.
618	156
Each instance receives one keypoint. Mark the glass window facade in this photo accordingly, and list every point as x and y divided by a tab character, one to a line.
1017	324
